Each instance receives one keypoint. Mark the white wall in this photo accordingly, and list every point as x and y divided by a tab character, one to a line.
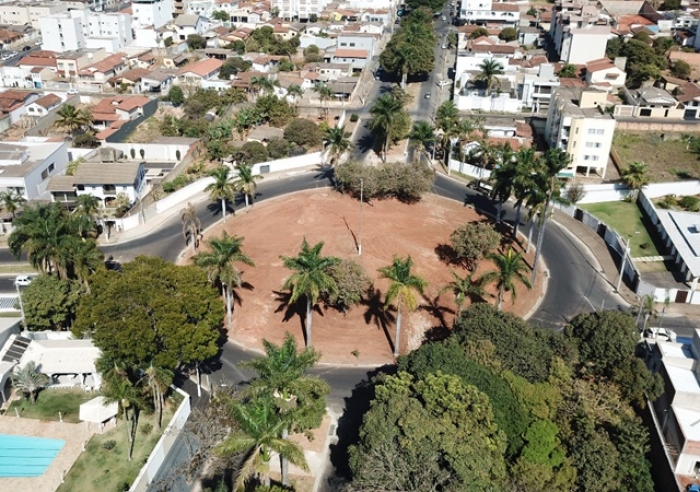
153	152
501	102
469	169
583	48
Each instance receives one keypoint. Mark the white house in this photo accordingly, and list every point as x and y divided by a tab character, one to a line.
358	41
355	57
157	81
506	14
196	73
188	24
79	29
579	32
606	74
27	166
535	90
14	103
151	13
299	9
43	105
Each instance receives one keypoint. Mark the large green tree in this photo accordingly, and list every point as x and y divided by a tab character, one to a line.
429	434
410	51
152	312
50	303
388	120
336	141
474	241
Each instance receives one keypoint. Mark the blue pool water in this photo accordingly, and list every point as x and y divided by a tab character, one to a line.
26	456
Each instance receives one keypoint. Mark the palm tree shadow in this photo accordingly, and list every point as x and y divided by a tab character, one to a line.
447	255
376	313
327	172
290	309
237	299
365	143
216	210
437	311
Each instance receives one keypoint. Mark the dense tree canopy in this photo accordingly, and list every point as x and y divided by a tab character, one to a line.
410	51
50	303
152	312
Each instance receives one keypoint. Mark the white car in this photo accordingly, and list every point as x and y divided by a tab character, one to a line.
72	92
24	280
443	83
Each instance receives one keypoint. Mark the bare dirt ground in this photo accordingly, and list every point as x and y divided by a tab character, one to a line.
277	227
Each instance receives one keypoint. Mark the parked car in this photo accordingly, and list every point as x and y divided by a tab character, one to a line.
24	280
26	48
427	95
72	91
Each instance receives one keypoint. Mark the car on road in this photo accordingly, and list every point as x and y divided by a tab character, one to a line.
26	48
72	92
23	280
427	95
443	83
444	18
444	46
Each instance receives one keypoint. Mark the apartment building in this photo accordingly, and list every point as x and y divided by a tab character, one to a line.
505	14
578	124
578	31
535	89
18	13
299	9
27	166
151	13
80	29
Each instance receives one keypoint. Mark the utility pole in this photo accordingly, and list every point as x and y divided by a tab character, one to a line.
21	306
622	265
359	241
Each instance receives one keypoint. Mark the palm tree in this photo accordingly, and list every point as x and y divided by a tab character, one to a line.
310	278
222	188
191	226
11	201
219	263
337	141
258	435
447	120
546	187
385	114
295	91
29	380
87	204
422	135
246	181
526	163
510	268
325	94
503	177
156	382
243	120
82	258
464	288
489	69
263	85
72	119
282	377
636	177
119	388
463	130
402	291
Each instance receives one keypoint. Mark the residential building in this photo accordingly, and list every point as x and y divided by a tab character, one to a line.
69	63
20	78
27	166
117	108
299	9
195	73
99	73
535	90
157	81
606	74
505	14
80	29
357	58
578	124
43	105
578	32
14	103
20	13
200	7
151	13
358	41
673	99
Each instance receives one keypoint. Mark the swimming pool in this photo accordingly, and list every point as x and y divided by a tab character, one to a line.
22	456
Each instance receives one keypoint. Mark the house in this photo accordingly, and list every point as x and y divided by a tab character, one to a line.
195	73
493	13
535	90
118	108
606	74
69	63
27	166
101	72
266	63
578	124
357	59
299	9
131	79
358	41
188	24
43	105
20	13
14	103
151	13
104	181
22	77
157	81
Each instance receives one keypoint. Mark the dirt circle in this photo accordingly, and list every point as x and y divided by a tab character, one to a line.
276	227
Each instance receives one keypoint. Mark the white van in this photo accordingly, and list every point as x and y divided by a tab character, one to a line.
24	280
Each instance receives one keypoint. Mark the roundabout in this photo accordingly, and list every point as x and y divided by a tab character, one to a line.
363	335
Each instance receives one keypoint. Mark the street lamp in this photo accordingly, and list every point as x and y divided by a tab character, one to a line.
359	240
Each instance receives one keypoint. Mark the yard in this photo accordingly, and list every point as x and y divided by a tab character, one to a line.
628	220
99	468
668	160
50	402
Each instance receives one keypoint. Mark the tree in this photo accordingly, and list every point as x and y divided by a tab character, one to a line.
219	264
452	40
385	112
86	140
303	132
278	148
310	279
510	267
464	288
233	66
152	312
283	379
196	42
191	226
258	435
479	32
119	388
402	290
575	192
295	91
447	119
273	109
221	15
681	69
670	5
253	153
474	241
222	188
82	260
243	120
29	380
325	94
422	135
352	283
388	180
508	34
50	303
246	181
157	381
410	52
636	177
11	201
489	70
337	141
429	434
567	71
72	119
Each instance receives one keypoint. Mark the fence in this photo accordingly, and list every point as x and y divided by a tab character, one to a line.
164	444
45	123
469	170
127	128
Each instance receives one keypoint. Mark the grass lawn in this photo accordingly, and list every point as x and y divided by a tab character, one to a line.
109	470
628	220
668	160
50	402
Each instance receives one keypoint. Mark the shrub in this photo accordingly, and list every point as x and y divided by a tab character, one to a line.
302	132
667	202
176	184
146	428
255	152
109	445
388	180
354	117
278	148
690	203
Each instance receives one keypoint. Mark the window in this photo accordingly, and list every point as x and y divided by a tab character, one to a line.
590	158
352	44
593	145
51	167
343	44
591	131
44	174
600	131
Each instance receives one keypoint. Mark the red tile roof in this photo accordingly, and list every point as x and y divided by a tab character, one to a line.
48	101
33	61
103	66
347	53
202	67
13	99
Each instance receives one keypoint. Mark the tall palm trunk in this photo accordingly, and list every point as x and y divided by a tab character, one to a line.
309	311
226	292
518	210
398	329
246	199
128	434
540	238
500	298
223	207
284	463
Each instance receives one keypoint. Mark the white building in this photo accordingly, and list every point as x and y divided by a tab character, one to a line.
200	7
606	74
535	90
578	124
80	29
18	13
151	13
300	9
578	32
488	11
27	166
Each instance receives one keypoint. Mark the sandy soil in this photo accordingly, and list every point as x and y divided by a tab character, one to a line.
277	227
